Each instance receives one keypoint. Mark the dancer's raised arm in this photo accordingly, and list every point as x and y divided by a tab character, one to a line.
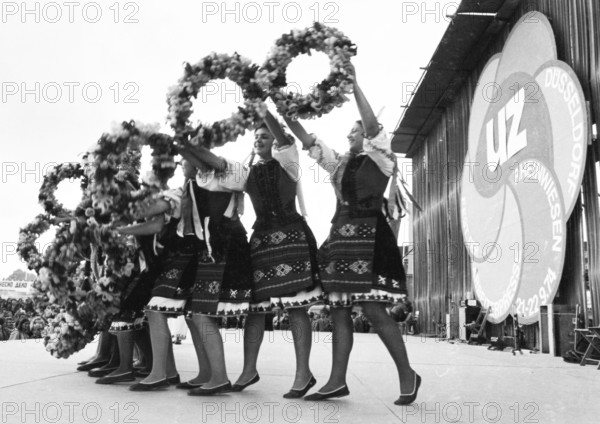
369	120
152	226
228	175
156	207
305	138
275	128
200	157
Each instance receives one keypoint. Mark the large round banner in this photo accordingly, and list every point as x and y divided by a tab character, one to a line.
522	175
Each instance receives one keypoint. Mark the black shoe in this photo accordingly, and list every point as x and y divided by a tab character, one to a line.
293	393
101	372
187	385
174	380
141	373
91	365
239	387
201	391
410	398
342	391
110	379
145	387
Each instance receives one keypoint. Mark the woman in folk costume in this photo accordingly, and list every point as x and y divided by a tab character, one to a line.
360	261
283	248
225	286
192	282
129	326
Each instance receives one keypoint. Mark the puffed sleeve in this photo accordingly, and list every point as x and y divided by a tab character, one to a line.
326	157
379	149
288	158
173	197
234	178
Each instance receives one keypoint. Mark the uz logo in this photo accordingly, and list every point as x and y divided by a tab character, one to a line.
504	144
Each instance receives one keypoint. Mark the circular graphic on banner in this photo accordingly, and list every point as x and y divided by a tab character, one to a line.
558	84
542	252
491	256
528	131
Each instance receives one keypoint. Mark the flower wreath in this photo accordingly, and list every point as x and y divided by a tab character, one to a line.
116	162
59	173
216	66
116	166
56	264
163	158
88	305
65	278
326	95
116	195
28	235
57	275
104	300
114	181
64	335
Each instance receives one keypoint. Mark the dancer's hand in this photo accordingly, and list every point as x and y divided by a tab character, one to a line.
350	71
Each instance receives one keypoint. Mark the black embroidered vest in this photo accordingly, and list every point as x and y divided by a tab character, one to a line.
273	195
363	187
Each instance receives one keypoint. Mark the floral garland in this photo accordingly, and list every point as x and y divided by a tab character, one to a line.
115	181
109	157
326	95
65	279
104	299
55	266
163	158
59	173
65	336
28	236
111	189
216	66
57	275
59	278
114	193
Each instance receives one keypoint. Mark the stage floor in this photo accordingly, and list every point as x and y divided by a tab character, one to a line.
461	383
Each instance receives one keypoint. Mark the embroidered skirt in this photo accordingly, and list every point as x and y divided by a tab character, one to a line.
206	279
173	286
285	268
135	297
224	287
361	261
236	293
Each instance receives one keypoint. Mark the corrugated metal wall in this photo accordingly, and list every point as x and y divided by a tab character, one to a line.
441	272
592	218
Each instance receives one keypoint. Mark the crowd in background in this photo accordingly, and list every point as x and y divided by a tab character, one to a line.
21	320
